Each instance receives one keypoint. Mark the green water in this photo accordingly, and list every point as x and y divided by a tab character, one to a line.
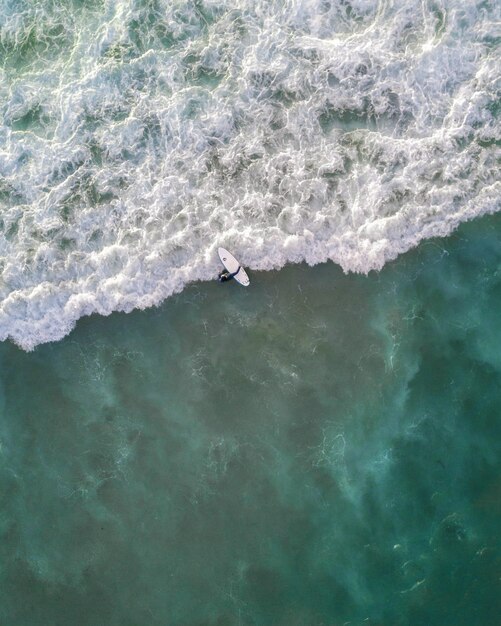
317	449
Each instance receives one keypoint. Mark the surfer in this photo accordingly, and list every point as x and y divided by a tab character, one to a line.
232	269
225	275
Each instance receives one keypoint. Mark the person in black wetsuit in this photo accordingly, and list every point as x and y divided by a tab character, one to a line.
225	275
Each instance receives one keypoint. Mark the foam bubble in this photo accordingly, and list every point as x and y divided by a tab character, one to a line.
288	131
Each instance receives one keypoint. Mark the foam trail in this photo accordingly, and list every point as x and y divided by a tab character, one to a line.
136	138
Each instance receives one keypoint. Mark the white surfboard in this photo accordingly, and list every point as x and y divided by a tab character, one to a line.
232	265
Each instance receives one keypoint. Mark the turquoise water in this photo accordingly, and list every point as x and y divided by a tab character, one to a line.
320	448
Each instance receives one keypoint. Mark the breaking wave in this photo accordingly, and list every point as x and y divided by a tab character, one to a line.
138	136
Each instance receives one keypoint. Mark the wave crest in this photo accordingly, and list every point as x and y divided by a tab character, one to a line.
286	131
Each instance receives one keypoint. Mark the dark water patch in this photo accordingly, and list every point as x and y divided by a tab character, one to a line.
9	195
35	120
34	40
332	117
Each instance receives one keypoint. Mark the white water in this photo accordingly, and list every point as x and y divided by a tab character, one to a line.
138	136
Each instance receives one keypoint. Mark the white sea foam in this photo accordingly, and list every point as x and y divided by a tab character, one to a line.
137	137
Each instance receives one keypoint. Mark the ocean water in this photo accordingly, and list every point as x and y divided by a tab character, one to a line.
321	448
